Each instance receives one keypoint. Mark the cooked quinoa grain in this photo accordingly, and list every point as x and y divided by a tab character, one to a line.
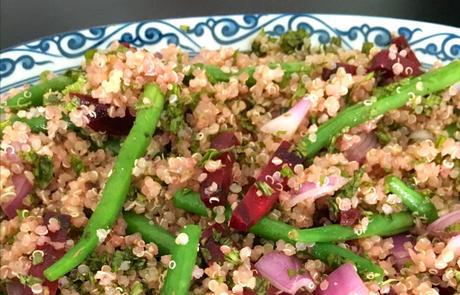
220	141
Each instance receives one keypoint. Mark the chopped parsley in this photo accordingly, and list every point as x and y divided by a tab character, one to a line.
89	54
137	289
333	45
292	41
233	257
29	280
210	154
184	28
173	117
292	272
263	187
383	137
44	75
440	141
220	239
23	214
367	46
246	124
42	168
77	164
286	171
52	98
451	129
257	44
37	257
77	87
350	189
453	228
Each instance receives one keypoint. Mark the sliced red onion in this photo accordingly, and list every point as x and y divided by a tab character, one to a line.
399	251
345	281
277	267
11	155
358	151
454	245
312	191
286	124
440	225
23	187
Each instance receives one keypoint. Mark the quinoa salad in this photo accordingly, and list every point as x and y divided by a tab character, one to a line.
288	168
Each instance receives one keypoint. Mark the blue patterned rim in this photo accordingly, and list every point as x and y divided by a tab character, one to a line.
22	64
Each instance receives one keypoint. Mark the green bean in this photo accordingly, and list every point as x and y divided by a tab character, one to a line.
416	202
335	256
179	274
117	186
379	225
427	83
190	201
150	232
273	230
34	95
215	74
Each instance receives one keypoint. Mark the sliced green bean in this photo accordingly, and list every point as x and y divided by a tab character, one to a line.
179	274
416	202
215	74
190	201
335	256
34	95
427	83
117	186
379	225
150	232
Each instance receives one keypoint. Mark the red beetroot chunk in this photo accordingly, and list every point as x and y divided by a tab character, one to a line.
255	204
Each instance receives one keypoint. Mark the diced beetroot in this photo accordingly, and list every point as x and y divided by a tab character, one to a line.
221	177
64	222
22	187
102	122
349	217
382	63
212	244
51	255
215	188
255	205
401	43
350	69
16	288
224	141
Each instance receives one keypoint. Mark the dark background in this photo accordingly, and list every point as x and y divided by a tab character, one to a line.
23	20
